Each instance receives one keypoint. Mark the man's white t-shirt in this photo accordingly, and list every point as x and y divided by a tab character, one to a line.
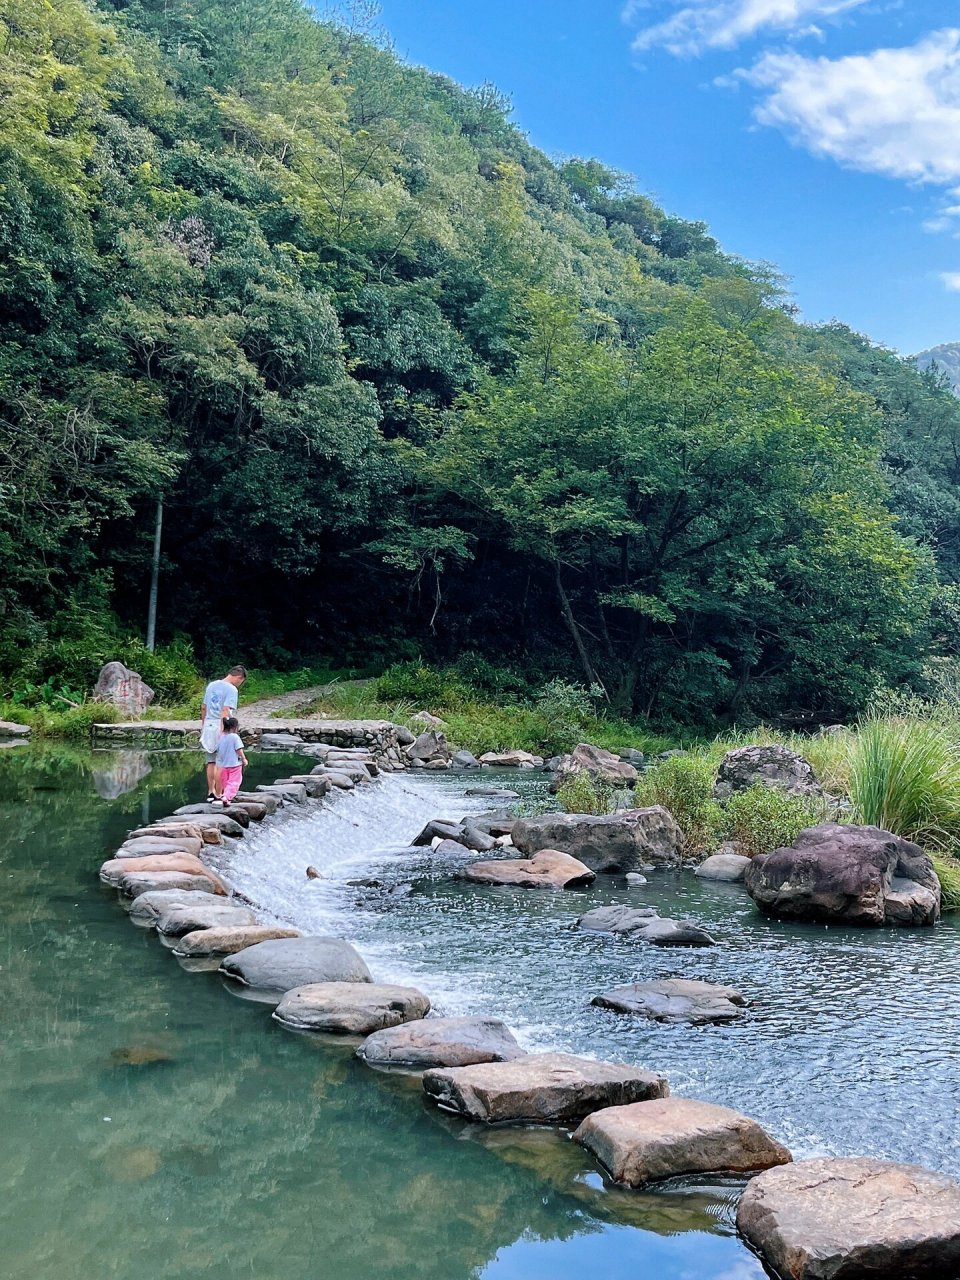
218	696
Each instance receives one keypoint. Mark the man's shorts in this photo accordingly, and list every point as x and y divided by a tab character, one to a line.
211	757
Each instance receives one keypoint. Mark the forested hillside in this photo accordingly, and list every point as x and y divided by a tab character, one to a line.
405	386
947	359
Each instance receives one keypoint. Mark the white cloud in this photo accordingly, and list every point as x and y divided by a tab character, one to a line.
894	112
722	24
951	280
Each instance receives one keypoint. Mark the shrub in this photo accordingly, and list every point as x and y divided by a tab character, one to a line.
905	778
565	709
684	786
582	793
948	869
170	671
761	818
414	682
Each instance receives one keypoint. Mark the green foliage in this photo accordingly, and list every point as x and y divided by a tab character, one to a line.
684	786
581	793
566	709
947	867
761	819
47	721
905	778
415	683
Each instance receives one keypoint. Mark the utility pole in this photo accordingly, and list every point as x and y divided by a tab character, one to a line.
154	580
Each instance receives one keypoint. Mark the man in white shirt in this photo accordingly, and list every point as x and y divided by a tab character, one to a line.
219	704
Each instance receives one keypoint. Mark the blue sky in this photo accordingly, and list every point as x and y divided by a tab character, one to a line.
820	135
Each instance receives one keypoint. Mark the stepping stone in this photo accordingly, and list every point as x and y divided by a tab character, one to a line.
540	1088
315	787
642	924
171	831
116	870
342	781
673	1137
350	1008
723	866
440	1042
253	810
270	803
135	883
848	1219
226	940
212	811
213	914
280	742
218	821
548	869
288	792
144	846
278	966
148	907
675	1000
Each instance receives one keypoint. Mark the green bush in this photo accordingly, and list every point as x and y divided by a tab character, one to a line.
905	778
170	671
948	869
430	690
761	818
684	786
581	793
566	710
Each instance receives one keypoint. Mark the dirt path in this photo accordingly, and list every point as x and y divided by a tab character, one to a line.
264	708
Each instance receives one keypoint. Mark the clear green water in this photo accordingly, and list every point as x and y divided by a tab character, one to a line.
154	1127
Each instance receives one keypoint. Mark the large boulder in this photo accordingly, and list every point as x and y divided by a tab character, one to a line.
723	866
440	1042
274	967
675	1000
602	766
430	745
117	870
642	924
147	846
548	869
203	913
772	766
674	1137
223	939
846	874
853	1219
123	687
350	1008
617	842
539	1088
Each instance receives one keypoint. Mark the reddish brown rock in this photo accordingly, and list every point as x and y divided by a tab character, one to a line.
548	869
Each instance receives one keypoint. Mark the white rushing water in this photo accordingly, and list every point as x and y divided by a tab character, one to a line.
851	1044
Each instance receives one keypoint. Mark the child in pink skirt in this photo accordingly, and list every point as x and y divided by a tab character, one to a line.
231	762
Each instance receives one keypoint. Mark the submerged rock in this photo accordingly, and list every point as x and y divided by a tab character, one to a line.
539	1088
723	866
675	1000
619	842
350	1008
642	924
493	793
223	939
440	1042
849	1219
548	869
284	963
673	1137
848	874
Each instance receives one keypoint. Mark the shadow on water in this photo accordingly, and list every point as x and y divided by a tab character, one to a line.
156	1127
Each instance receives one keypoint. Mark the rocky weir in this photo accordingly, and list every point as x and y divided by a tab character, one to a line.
628	1119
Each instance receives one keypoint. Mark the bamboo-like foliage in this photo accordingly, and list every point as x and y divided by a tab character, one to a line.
905	778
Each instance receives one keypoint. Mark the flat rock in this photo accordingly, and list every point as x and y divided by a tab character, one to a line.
10	729
143	846
619	842
147	908
854	1219
136	882
539	1088
270	803
839	872
675	1000
221	821
280	742
212	816
215	913
316	786
548	869
252	810
342	781
440	1042
173	829
350	1008
493	793
723	866
511	760
117	869
673	1137
288	792
284	963
642	924
226	940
